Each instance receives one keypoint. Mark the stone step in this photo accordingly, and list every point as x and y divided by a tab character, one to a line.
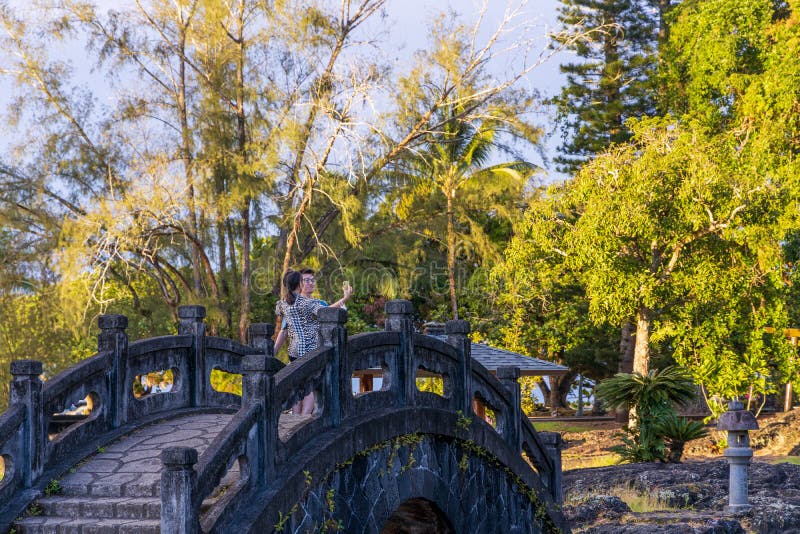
111	508
111	489
69	525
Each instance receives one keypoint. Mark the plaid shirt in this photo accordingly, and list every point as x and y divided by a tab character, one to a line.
303	324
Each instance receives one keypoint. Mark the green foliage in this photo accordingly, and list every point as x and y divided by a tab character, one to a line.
32	327
652	398
53	488
463	423
640	446
452	194
34	510
715	50
677	431
433	384
651	394
226	382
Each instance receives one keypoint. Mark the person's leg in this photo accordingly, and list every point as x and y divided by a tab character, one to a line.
307	407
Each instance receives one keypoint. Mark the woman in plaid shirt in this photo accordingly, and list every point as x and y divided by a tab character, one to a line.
299	313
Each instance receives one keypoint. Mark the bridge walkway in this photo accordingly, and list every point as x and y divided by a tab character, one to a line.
118	489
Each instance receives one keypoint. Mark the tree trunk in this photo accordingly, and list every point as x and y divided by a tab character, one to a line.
244	310
641	353
544	389
627	346
187	151
451	254
241	125
559	389
555	399
225	289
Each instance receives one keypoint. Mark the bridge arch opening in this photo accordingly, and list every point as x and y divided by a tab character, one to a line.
73	414
418	516
155	383
6	469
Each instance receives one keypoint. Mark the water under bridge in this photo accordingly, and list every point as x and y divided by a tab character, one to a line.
192	459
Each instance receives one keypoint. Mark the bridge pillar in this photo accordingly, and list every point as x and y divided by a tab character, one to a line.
259	337
553	443
457	331
178	480
112	338
399	319
257	388
333	333
26	389
512	429
192	324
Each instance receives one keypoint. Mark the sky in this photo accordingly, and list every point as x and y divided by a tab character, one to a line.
408	32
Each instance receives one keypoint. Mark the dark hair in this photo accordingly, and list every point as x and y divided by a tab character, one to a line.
307	271
291	280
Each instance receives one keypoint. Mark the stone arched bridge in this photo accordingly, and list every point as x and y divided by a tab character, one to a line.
193	459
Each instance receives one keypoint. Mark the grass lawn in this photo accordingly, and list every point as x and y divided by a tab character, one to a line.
562	426
786	460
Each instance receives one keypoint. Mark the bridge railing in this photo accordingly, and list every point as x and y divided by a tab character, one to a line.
12	447
270	389
104	386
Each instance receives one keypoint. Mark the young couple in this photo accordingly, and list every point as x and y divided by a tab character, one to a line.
299	321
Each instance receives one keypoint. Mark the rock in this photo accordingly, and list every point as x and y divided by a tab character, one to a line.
723	526
694	495
778	435
596	507
713	527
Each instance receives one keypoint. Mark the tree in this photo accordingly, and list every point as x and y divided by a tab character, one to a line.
654	221
544	307
728	66
453	164
613	81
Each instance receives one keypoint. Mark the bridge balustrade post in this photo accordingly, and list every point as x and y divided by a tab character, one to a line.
178	483
553	443
512	429
259	337
192	324
26	389
457	331
399	315
112	338
333	333
258	388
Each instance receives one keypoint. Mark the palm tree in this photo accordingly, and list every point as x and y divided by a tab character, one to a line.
453	163
651	399
648	394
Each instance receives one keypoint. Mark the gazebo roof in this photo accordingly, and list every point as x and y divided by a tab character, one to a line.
492	358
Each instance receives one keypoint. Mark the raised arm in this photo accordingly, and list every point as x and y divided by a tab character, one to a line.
348	292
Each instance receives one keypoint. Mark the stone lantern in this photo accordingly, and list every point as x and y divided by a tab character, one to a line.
738	422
